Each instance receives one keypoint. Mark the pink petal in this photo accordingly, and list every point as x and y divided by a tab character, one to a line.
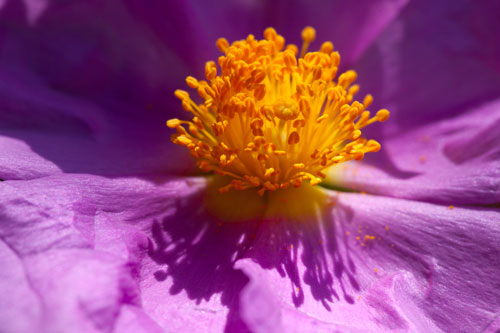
73	249
427	268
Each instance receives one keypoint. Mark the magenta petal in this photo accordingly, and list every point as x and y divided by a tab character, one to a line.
73	250
20	309
451	255
30	154
144	254
351	26
434	61
117	254
454	161
192	272
45	132
109	57
98	107
265	307
415	267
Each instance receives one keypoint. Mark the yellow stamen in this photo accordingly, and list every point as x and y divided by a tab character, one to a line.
308	36
270	120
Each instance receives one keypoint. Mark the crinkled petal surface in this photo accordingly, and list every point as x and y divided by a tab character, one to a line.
144	255
76	248
453	161
416	267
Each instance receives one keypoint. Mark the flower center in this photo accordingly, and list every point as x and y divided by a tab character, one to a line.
271	120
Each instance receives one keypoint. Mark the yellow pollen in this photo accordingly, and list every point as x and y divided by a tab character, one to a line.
271	120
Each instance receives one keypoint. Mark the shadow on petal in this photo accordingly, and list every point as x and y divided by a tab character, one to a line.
199	254
199	251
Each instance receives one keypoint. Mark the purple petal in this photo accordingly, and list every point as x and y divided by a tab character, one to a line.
108	55
416	267
73	250
451	254
98	107
117	254
434	61
144	254
454	161
33	154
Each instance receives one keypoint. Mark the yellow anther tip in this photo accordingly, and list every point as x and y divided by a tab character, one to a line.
308	34
181	94
270	33
382	115
192	82
222	44
373	145
327	47
368	100
173	123
355	135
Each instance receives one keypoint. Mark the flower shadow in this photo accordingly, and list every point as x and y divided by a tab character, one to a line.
199	253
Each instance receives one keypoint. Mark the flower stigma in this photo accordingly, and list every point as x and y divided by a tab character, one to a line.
274	118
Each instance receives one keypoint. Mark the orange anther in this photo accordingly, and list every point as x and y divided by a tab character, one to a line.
326	47
173	123
293	138
270	34
181	94
382	115
222	44
308	34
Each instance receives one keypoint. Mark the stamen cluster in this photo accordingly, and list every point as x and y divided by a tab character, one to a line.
274	118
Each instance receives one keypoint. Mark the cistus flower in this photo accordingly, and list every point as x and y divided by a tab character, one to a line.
106	226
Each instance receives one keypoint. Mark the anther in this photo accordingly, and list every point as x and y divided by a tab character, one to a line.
173	123
192	82
382	115
327	47
181	94
222	44
270	34
308	34
293	138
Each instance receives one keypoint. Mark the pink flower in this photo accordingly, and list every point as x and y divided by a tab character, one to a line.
104	224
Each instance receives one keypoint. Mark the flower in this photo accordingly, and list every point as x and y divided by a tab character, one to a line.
103	222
